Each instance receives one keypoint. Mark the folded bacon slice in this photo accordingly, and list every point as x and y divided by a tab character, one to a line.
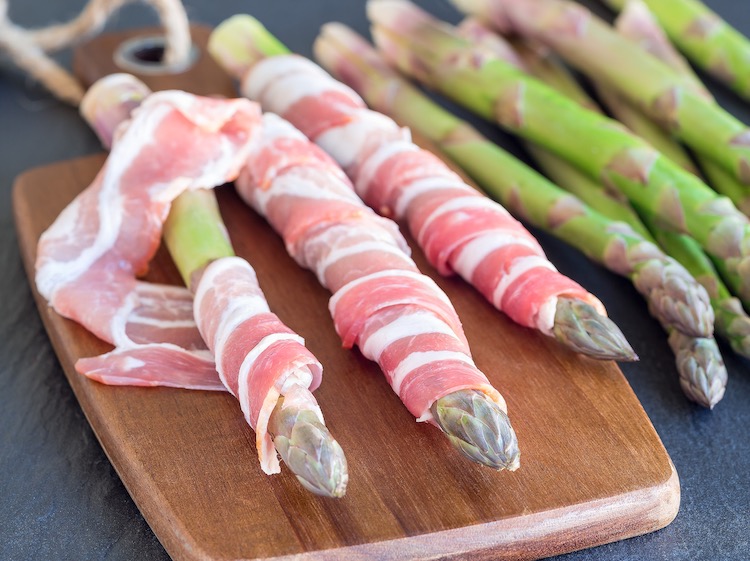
88	260
381	302
459	229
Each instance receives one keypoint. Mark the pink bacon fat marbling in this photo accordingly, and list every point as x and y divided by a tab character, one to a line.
88	260
381	302
458	228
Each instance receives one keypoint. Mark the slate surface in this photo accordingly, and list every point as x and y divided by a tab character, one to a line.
60	497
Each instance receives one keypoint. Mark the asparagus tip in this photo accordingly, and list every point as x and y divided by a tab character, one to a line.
580	327
703	376
307	447
478	428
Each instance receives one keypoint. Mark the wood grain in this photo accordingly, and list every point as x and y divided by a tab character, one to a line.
593	468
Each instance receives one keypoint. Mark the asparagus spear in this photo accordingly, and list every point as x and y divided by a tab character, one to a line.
598	146
521	189
195	235
473	423
709	41
594	48
349	57
638	24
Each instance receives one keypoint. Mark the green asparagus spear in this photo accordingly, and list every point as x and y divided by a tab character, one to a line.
239	43
602	148
593	47
522	190
195	235
638	24
709	41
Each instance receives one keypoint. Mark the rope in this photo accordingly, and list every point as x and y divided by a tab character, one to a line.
27	48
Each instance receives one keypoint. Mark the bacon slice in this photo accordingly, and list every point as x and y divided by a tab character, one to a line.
459	229
88	260
381	302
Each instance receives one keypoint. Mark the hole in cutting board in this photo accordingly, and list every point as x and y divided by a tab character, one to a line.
144	55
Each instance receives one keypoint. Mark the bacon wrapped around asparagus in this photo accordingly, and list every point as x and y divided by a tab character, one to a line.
459	229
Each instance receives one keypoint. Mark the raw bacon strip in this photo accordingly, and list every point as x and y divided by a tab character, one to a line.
153	365
397	316
258	358
88	259
449	219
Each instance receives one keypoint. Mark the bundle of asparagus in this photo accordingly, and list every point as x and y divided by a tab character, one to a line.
674	297
593	47
600	147
731	320
709	41
195	236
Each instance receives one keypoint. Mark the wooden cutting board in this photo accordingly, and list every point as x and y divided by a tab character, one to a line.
593	468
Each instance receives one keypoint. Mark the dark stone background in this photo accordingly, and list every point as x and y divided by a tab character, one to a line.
60	497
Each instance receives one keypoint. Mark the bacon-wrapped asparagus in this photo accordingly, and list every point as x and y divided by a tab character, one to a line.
259	360
459	229
397	317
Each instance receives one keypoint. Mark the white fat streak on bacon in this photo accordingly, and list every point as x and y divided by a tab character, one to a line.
347	142
268	70
264	345
458	205
516	269
283	92
371	165
475	251
418	359
376	247
427	185
409	325
324	247
295	186
419	277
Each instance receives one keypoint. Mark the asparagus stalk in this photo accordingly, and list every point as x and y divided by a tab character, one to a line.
474	424
195	235
521	189
600	147
709	41
593	47
638	24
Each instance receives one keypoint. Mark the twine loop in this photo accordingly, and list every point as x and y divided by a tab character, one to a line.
28	48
